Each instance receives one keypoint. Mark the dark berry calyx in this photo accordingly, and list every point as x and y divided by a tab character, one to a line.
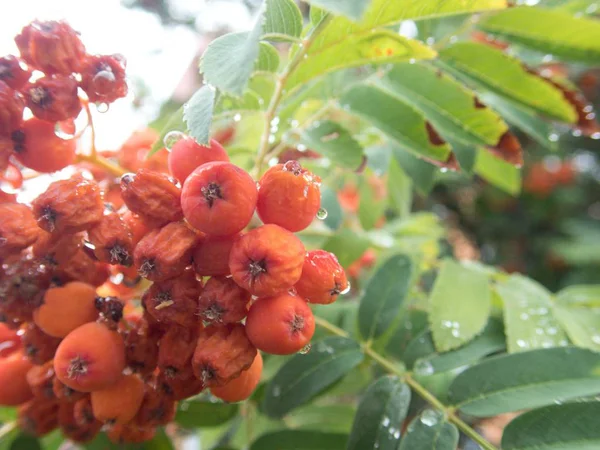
255	268
211	192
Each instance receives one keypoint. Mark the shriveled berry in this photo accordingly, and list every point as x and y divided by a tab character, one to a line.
110	309
64	393
50	46
55	249
267	260
22	289
219	198
323	278
137	225
222	353
71	429
280	325
183	386
18	228
112	240
53	98
166	252
133	154
130	434
223	301
186	155
69	206
289	196
13	73
82	268
175	350
40	380
119	402
11	110
103	78
14	388
141	348
39	347
9	341
38	417
83	411
152	195
157	409
242	387
211	256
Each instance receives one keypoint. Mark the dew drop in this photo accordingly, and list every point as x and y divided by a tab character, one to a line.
553	137
322	214
276	391
524	316
64	130
455	332
385	422
304	350
521	343
103	81
237	117
102	107
424	368
552	331
429	417
345	291
596	339
172	138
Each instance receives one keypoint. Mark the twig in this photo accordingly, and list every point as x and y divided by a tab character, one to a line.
104	163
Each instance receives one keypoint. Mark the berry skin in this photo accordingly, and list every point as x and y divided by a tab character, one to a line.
11	110
54	250
18	228
223	301
14	388
66	308
112	240
157	409
53	98
130	434
137	226
119	402
242	387
280	325
289	196
71	429
323	278
186	155
219	198
38	346
82	268
141	348
103	78
184	385
40	380
38	417
64	393
40	149
175	350
267	260
211	256
50	46
9	341
12	72
91	357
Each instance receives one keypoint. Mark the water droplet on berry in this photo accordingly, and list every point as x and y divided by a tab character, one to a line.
429	417
424	368
103	82
172	138
304	350
345	291
64	130
322	214
102	107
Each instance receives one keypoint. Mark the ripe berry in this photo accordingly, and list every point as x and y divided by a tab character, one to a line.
14	388
137	226
91	357
280	325
186	155
11	110
53	98
40	149
119	402
211	256
74	431
103	78
289	196
323	278
223	301
242	387
267	260
82	268
66	308
9	341
12	72
218	198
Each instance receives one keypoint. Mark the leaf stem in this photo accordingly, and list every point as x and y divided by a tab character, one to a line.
102	163
407	377
263	149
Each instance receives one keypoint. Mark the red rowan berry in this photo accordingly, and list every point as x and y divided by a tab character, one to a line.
222	353
66	308
141	348
52	47
38	417
11	110
53	250
280	325
13	73
175	350
133	154
91	357
38	346
174	301
242	387
112	240
323	278
119	402
130	434
64	393
69	206
40	380
14	388
289	196
166	252
186	155
211	256
267	260
9	341
6	151
223	301
18	228
157	409
53	98
152	195
103	78
39	148
219	198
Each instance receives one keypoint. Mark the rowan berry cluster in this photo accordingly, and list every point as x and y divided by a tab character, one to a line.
120	297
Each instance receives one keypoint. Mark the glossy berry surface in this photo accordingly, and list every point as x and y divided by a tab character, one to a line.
187	155
323	278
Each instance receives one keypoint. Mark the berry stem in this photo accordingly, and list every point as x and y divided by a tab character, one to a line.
103	163
407	378
88	111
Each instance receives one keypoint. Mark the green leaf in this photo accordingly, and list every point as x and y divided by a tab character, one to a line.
398	120
377	47
528	318
370	208
549	31
353	9
228	61
197	413
197	113
282	18
582	295
498	172
159	442
229	103
380	414
451	107
331	418
411	325
347	245
430	431
8	414
300	440
399	188
174	123
506	75
8	439
526	380
460	304
334	142
420	172
384	295
330	203
305	376
25	442
573	426
577	309
575	6
268	58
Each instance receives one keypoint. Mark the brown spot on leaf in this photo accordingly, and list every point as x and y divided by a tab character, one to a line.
509	149
451	163
433	135
363	165
478	104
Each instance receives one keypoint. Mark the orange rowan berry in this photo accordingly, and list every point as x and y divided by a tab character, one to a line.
186	155
280	325
219	198
18	229
91	357
119	402
322	279
242	387
14	388
38	417
289	196
55	249
223	301
38	346
9	341
133	154
211	256
267	260
103	78
112	240
13	72
53	98
40	378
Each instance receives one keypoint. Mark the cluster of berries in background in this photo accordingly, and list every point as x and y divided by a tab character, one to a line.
121	296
